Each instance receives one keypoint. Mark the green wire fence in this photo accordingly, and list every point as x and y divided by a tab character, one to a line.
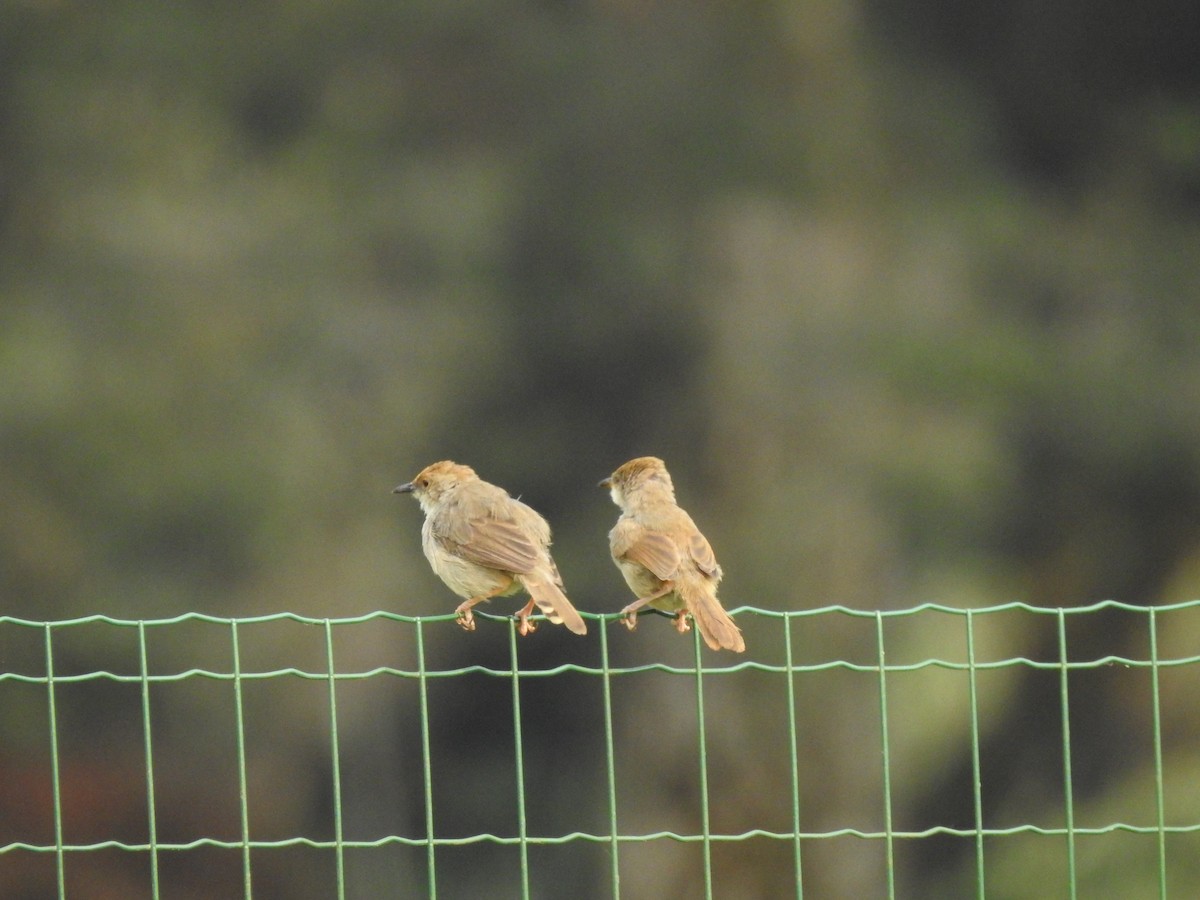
42	666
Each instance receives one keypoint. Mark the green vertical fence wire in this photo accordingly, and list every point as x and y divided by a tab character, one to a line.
335	762
610	766
151	814
57	682
519	754
702	744
243	787
1160	813
793	755
1068	791
976	768
426	762
55	773
885	742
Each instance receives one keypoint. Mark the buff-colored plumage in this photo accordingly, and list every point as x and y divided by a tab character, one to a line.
483	543
664	558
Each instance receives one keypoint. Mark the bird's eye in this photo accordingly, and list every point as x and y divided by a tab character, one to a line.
424	482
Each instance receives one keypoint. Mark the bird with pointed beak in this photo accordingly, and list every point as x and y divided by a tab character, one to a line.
483	543
666	561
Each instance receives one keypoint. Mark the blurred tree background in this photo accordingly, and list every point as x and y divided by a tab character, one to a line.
905	294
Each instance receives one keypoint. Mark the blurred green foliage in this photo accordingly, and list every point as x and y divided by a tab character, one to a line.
905	295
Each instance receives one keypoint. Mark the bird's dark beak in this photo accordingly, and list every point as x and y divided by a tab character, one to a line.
605	483
407	488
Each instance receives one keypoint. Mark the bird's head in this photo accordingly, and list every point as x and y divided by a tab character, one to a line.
646	474
435	482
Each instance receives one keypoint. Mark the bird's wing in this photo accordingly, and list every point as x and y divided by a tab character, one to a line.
652	549
702	552
495	543
486	526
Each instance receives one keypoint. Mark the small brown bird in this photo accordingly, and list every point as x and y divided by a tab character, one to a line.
665	559
484	543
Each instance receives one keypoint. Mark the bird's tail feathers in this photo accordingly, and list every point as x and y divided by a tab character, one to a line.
714	624
554	603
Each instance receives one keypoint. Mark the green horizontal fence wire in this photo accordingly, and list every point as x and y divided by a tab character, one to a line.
557	840
337	676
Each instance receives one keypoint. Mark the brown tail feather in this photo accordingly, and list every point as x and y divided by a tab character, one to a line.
554	603
713	623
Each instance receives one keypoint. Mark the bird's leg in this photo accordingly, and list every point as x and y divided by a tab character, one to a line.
524	626
465	617
682	625
629	613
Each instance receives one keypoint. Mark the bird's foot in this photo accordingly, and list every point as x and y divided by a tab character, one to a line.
466	619
629	620
524	625
682	625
